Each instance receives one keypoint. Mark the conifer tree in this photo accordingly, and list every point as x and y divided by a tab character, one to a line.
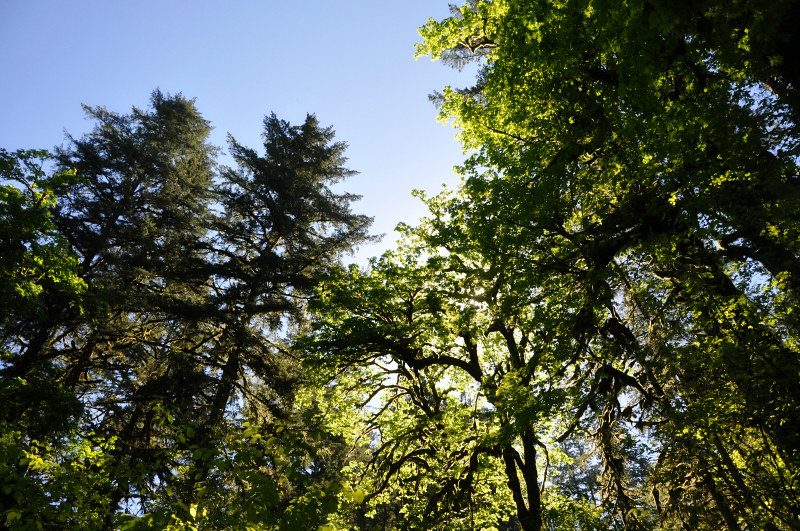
176	361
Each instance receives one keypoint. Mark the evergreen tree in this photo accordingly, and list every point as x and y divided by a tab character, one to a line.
194	276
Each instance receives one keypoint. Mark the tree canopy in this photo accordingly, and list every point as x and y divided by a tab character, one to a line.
610	294
596	330
153	295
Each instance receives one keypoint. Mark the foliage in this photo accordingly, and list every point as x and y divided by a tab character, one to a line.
36	259
144	352
635	170
617	273
597	330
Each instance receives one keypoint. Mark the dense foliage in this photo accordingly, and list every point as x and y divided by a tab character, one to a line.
596	330
599	329
145	376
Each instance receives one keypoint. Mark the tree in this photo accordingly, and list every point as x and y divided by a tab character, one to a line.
38	278
474	401
34	256
645	155
626	236
186	392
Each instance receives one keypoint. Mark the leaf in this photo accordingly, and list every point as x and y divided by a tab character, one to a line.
356	496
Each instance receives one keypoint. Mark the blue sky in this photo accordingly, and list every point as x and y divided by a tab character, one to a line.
350	62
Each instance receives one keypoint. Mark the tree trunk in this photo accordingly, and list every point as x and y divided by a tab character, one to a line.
529	512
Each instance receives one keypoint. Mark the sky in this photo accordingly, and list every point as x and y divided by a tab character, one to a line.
349	62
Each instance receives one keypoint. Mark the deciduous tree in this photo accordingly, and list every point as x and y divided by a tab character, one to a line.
644	155
627	234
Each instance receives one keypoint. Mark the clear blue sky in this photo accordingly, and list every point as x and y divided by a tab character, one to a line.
350	62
